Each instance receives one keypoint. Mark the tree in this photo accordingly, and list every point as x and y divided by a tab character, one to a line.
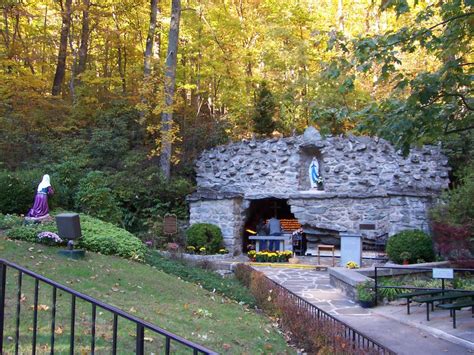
264	111
421	106
62	54
170	82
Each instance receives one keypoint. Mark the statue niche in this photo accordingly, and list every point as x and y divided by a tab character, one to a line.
310	171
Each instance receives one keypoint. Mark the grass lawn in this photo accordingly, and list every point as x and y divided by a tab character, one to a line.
167	301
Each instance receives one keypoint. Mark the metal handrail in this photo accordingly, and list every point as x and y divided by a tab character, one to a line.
141	324
350	333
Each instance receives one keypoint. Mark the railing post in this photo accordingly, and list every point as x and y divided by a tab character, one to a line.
376	287
3	281
140	346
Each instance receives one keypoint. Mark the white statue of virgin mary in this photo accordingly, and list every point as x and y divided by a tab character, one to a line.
313	172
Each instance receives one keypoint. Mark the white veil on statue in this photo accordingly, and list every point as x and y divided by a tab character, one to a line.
45	183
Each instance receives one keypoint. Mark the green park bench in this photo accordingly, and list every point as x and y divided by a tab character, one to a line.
447	296
453	307
410	295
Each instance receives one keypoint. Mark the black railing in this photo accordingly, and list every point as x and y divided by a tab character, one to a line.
170	340
381	271
359	342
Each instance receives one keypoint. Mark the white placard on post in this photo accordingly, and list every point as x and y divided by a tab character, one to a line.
439	273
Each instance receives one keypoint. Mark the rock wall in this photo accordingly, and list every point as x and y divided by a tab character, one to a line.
278	167
387	214
368	187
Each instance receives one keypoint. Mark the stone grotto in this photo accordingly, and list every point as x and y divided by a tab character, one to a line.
363	185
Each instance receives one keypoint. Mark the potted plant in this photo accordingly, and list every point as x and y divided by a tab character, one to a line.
365	294
352	265
252	255
405	256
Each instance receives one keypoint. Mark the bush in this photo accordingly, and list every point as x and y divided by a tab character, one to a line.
9	221
456	207
106	238
94	197
415	242
18	190
97	236
451	240
205	235
65	179
29	232
209	280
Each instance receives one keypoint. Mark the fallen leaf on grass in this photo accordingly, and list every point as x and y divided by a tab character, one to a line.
59	330
132	310
41	307
115	289
226	346
148	339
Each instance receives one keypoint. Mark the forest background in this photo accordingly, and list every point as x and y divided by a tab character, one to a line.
116	99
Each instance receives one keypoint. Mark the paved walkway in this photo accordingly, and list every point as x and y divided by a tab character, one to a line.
389	330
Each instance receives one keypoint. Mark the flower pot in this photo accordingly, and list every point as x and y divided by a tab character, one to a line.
367	304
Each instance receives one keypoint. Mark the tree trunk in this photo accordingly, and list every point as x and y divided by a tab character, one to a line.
340	15
84	46
120	62
170	81
150	38
61	66
43	50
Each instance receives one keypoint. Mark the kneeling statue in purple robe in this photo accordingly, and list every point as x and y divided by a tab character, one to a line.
40	207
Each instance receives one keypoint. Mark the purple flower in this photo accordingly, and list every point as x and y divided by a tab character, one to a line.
49	236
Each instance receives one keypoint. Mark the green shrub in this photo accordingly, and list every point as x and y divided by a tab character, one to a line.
97	236
106	238
29	232
18	190
365	291
95	198
205	235
65	179
415	242
209	280
9	221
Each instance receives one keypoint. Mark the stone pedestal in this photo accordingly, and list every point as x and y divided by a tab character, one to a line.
351	248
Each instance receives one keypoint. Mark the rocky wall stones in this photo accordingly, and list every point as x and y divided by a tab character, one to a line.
387	215
347	164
